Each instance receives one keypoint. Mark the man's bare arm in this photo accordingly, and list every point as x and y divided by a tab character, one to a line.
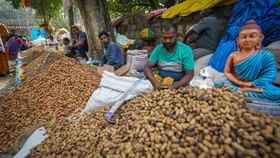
149	74
185	80
190	36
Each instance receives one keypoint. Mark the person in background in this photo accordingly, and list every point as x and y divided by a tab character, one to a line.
12	34
80	44
4	62
251	69
14	47
173	58
22	42
112	54
67	48
52	44
206	34
38	31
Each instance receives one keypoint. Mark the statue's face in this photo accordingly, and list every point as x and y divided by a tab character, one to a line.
249	38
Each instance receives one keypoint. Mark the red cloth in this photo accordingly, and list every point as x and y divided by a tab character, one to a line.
4	62
26	3
155	13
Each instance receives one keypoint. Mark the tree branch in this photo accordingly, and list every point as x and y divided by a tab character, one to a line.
153	5
139	4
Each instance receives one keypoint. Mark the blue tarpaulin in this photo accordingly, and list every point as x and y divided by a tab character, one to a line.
36	33
265	12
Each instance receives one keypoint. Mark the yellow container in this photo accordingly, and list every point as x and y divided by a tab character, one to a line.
167	81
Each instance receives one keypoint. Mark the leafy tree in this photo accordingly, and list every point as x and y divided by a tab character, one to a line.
15	3
45	9
96	18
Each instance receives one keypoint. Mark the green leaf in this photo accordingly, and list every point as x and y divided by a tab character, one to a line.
52	120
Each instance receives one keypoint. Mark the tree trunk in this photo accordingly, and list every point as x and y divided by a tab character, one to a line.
71	19
153	4
46	22
96	18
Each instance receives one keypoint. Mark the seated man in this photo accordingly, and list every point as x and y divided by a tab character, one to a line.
52	44
112	54
251	69
67	48
174	59
206	34
80	42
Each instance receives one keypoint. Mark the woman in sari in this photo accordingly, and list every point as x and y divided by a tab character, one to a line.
251	69
4	65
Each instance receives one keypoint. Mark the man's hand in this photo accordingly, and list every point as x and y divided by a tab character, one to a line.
156	85
184	81
189	40
190	36
175	85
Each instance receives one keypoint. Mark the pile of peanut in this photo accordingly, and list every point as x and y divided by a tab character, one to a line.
40	63
31	54
50	96
180	123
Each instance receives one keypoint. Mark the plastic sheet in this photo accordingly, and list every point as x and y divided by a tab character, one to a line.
35	139
112	88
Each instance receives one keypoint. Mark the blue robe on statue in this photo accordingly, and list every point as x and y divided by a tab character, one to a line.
260	69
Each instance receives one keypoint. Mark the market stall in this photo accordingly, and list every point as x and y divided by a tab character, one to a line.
66	108
185	122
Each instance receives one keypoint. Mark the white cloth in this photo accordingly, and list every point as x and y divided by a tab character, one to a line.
39	41
206	77
52	44
112	88
211	73
201	63
35	139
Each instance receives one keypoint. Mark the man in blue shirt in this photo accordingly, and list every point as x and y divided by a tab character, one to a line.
80	42
112	54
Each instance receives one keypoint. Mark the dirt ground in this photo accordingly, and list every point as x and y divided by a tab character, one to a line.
7	82
4	81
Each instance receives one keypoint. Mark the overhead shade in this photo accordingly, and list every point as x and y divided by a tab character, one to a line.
190	6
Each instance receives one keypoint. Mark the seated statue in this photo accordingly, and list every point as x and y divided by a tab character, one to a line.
251	69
